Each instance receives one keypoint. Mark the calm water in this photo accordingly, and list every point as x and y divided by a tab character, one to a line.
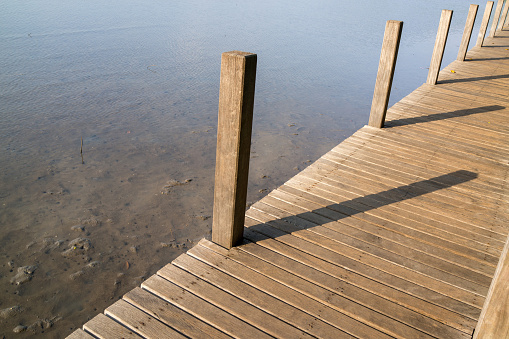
139	81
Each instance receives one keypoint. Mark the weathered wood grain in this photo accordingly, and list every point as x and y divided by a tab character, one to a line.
79	334
386	67
141	322
503	17
496	18
207	312
171	315
235	119
438	50
105	327
494	319
484	23
467	33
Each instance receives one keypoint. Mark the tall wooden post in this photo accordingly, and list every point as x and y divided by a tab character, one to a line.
503	16
494	319
467	33
235	118
484	23
498	10
438	50
383	84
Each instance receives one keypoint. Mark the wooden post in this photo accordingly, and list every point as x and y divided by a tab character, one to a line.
494	319
503	16
484	23
467	33
438	51
498	10
385	73
235	118
505	19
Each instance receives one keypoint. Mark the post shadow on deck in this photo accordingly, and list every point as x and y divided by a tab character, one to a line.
345	209
443	115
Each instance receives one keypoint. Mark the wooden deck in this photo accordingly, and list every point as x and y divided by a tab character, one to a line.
396	232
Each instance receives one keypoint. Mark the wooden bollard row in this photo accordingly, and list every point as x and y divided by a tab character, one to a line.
235	116
390	46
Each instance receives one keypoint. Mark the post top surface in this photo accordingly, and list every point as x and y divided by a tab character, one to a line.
239	53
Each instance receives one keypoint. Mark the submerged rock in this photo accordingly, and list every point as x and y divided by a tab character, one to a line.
10	312
24	274
78	228
19	329
90	266
78	246
172	183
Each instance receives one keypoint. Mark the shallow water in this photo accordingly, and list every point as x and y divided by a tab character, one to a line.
139	83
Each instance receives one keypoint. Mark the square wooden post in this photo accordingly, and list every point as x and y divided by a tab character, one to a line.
467	33
484	23
498	10
503	16
438	50
386	67
493	322
235	119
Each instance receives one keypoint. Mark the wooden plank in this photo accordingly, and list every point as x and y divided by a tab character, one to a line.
372	185
349	182
422	191
494	320
330	262
201	309
472	163
479	263
467	32
79	334
385	73
438	51
235	119
311	281
104	327
433	153
424	198
445	113
465	188
372	309
141	322
171	316
231	304
281	310
487	185
423	230
289	288
378	263
484	23
427	105
496	18
464	183
297	211
428	158
440	105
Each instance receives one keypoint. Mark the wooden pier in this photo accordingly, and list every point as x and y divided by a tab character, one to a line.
396	232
